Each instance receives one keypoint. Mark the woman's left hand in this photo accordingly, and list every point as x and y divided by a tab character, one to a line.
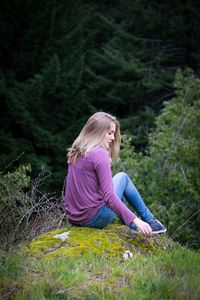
143	226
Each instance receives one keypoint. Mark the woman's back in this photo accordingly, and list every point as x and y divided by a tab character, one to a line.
83	196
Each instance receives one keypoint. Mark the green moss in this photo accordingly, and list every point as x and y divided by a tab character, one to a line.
114	240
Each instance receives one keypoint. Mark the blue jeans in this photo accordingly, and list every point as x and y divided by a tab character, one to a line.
123	188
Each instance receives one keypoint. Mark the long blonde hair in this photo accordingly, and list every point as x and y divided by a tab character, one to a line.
92	136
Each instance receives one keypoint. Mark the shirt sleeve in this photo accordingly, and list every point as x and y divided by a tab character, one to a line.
104	174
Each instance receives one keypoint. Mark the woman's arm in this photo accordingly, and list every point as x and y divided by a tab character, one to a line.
104	175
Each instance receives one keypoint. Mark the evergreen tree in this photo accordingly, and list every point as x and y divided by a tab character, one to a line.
42	114
62	61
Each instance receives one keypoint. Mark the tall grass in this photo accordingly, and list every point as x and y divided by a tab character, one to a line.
175	275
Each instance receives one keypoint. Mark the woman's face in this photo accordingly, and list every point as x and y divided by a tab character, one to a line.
109	136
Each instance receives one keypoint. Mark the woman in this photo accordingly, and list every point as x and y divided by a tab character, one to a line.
92	197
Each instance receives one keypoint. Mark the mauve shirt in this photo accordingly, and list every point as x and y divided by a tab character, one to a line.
89	186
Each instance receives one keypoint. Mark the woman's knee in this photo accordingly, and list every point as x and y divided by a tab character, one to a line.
121	176
120	181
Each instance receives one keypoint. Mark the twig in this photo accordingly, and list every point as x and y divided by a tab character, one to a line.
6	167
184	223
61	219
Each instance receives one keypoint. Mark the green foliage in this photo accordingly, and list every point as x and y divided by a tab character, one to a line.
62	61
168	175
139	125
95	277
24	209
38	128
126	74
12	186
42	112
17	180
14	201
127	162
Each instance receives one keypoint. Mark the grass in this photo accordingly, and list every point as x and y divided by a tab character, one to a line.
173	275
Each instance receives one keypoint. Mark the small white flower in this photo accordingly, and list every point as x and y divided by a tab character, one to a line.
127	255
62	236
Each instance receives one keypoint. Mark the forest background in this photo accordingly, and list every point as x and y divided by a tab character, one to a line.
61	61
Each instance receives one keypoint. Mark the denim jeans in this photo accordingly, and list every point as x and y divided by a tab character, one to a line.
125	190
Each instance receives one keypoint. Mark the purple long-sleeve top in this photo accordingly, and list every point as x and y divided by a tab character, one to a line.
89	186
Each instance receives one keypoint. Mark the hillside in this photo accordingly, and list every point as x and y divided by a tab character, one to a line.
87	263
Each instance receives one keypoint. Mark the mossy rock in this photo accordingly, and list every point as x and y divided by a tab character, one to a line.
114	240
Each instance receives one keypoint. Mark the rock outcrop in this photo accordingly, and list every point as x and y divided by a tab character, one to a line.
114	240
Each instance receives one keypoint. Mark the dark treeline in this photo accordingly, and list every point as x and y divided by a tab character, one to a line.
63	60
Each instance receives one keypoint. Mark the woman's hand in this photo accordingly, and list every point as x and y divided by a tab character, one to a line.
143	226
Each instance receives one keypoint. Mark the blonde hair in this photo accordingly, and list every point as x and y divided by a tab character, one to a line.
92	136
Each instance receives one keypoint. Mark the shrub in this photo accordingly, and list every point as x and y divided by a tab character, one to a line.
167	175
25	211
